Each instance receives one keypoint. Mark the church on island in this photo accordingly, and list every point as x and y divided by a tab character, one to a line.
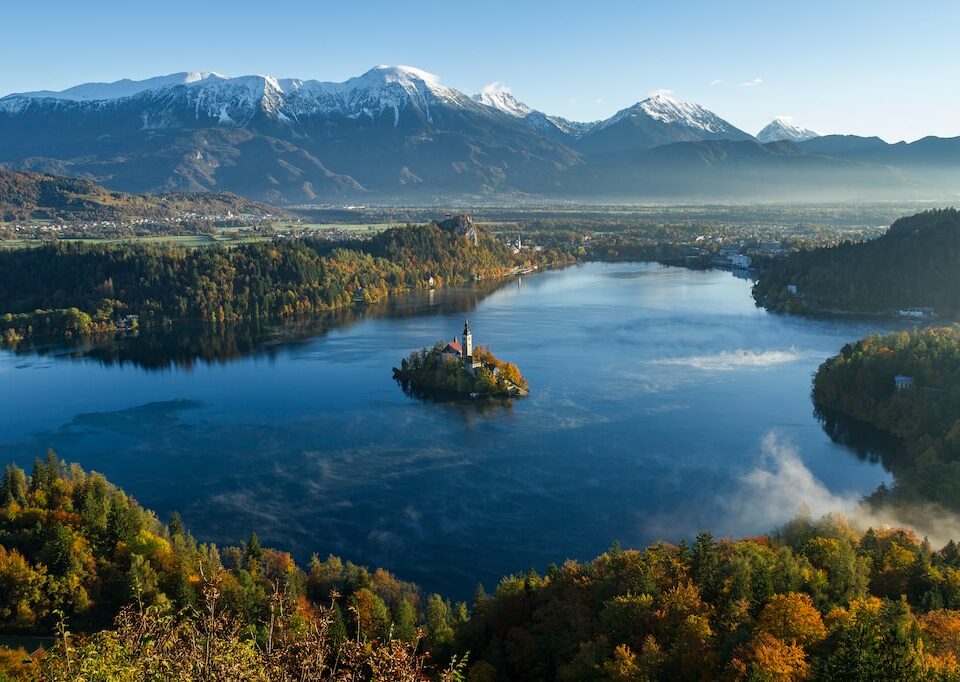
463	349
457	367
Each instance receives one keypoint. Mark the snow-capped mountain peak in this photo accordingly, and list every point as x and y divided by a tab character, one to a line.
669	110
382	88
665	109
657	120
783	128
500	98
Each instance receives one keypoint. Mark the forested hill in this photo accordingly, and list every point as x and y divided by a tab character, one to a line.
860	382
814	600
34	196
915	264
80	288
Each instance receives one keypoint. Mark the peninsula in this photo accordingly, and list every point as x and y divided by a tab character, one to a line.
457	368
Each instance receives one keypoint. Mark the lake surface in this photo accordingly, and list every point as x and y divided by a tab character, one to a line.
663	402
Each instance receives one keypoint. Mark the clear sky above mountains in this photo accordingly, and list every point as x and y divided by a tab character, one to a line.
871	68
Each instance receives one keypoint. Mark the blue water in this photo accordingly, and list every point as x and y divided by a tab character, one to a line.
663	402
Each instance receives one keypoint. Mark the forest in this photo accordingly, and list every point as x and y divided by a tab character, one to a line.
116	593
70	289
914	265
924	416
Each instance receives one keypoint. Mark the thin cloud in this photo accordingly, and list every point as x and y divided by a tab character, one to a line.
740	359
753	83
661	91
495	87
716	81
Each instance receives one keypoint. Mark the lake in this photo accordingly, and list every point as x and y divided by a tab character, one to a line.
663	402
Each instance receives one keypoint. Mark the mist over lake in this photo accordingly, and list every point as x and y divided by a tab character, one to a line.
662	402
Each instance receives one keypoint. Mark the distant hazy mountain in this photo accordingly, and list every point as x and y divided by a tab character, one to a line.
399	134
928	151
733	170
782	128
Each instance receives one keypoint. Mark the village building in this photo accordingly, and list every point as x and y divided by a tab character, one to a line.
917	313
902	382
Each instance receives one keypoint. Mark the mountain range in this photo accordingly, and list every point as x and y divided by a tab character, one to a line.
397	134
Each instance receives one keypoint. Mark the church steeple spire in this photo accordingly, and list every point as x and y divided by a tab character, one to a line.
467	345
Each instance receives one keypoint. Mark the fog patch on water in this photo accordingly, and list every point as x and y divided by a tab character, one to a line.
729	361
781	487
664	408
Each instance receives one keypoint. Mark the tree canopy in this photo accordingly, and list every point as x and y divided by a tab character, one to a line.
924	414
123	595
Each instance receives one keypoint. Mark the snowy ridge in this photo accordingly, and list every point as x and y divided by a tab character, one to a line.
383	88
235	101
783	128
499	97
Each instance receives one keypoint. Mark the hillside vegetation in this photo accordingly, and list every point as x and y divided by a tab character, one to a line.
142	600
859	383
915	264
27	197
76	551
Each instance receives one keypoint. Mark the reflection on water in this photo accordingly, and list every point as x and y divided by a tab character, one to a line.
655	392
866	441
486	406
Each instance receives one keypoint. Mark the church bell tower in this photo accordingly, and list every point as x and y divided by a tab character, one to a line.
467	345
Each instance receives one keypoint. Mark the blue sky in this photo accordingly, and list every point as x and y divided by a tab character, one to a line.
870	68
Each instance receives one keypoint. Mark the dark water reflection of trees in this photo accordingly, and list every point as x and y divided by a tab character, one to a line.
186	344
867	442
483	406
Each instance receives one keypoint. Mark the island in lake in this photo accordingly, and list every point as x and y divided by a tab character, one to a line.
456	368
